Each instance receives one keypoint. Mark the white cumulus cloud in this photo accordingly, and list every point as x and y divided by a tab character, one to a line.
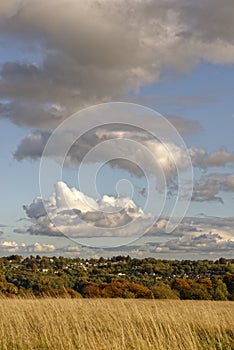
70	212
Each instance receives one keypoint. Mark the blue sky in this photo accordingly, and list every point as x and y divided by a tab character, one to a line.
185	74
204	94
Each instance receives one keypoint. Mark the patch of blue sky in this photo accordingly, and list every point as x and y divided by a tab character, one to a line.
204	94
15	49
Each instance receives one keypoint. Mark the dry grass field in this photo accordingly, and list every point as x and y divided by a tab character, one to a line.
96	324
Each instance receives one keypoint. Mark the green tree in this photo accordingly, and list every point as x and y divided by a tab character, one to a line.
220	291
162	290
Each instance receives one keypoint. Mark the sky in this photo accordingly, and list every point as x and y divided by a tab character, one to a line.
116	121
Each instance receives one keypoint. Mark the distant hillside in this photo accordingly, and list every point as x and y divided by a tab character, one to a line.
118	276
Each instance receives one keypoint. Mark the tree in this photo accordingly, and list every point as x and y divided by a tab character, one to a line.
8	288
220	291
228	279
91	290
140	291
190	289
162	290
113	290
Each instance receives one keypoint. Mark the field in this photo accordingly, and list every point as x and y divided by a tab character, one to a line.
96	324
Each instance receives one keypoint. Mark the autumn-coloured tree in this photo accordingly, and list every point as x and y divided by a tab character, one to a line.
91	290
113	290
140	291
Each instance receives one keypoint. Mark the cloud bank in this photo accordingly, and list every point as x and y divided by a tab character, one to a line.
114	48
70	209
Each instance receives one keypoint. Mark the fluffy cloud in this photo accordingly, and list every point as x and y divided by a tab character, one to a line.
41	248
10	246
71	213
14	247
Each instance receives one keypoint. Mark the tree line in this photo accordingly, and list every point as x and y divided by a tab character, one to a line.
116	277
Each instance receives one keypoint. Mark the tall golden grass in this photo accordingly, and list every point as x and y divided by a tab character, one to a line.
96	324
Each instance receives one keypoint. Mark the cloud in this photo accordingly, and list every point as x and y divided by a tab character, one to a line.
148	158
202	243
36	209
183	125
69	212
210	186
14	247
10	246
113	48
195	237
168	156
202	159
159	228
32	146
33	114
209	20
196	225
79	216
41	248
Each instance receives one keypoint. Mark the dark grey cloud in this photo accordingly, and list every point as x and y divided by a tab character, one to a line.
36	209
43	227
32	146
